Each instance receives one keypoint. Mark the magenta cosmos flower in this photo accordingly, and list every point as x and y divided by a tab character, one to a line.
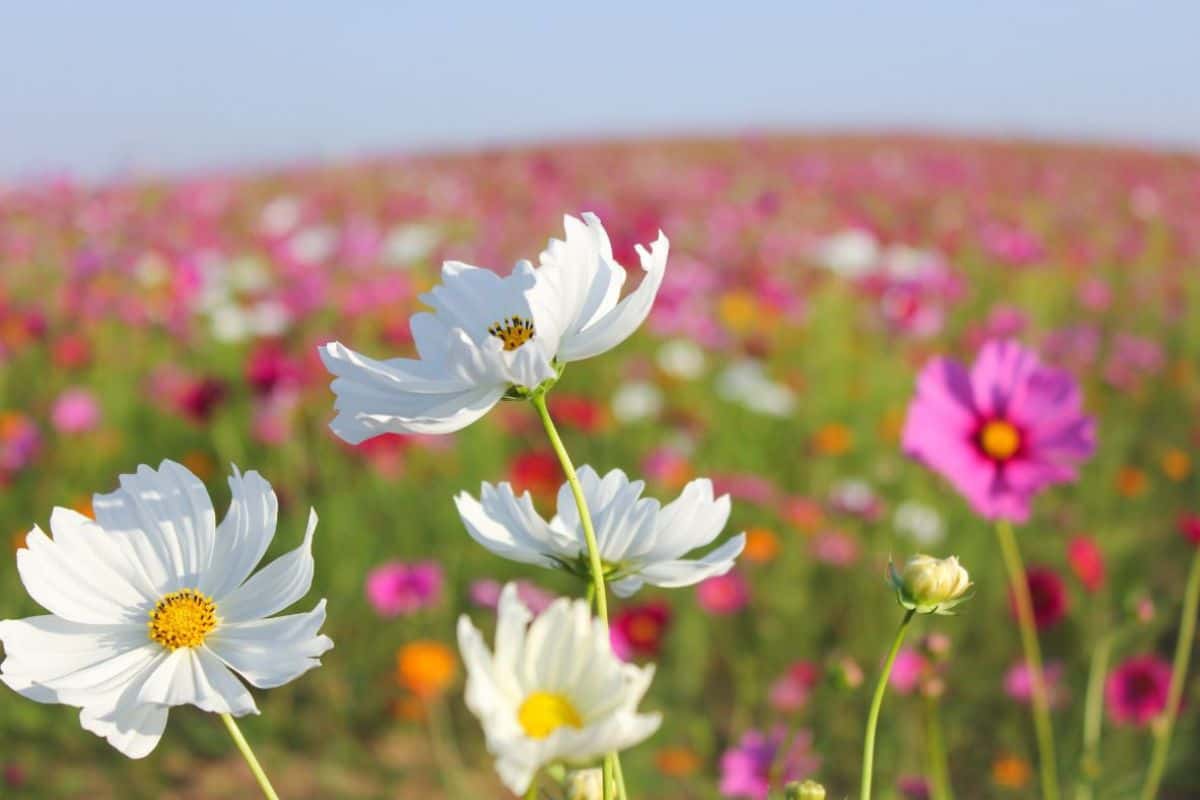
638	631
396	588
762	761
1000	431
1137	690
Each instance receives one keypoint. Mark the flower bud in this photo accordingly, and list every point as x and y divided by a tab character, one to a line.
585	784
809	790
929	585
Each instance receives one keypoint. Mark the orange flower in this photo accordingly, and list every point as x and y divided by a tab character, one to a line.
426	668
83	504
200	463
1010	772
1131	482
833	439
739	311
1175	464
762	545
677	762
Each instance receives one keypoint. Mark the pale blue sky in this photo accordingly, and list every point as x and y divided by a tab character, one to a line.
107	87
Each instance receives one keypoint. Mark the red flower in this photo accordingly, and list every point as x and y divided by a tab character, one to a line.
1087	562
577	412
1137	690
638	631
537	472
1189	526
1049	595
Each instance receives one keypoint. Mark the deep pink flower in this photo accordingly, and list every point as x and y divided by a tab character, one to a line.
1049	595
907	670
1087	562
1019	686
913	787
397	588
723	594
638	631
1189	527
270	367
1001	431
790	692
75	411
1137	690
760	763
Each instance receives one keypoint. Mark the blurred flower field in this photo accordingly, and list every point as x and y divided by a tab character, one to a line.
810	279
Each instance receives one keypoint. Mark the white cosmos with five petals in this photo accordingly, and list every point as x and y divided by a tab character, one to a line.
571	299
639	541
102	579
553	690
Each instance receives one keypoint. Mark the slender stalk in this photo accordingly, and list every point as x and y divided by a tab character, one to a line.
868	765
442	746
612	763
1183	652
619	774
532	793
939	773
1093	717
1044	730
264	783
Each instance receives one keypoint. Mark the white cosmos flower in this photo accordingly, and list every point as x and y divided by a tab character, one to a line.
639	541
551	691
488	334
152	605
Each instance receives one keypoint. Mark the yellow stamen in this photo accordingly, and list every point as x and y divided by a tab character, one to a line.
543	713
513	331
1000	439
183	619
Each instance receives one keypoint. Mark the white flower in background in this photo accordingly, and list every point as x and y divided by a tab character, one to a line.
551	691
152	605
636	400
919	522
682	359
907	263
851	253
405	244
314	244
280	215
639	541
488	334
745	382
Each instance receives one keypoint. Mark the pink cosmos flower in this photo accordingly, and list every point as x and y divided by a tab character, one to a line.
907	670
75	411
760	763
836	548
397	588
1136	691
723	594
1000	431
486	594
790	692
1019	686
638	631
1087	562
1049	595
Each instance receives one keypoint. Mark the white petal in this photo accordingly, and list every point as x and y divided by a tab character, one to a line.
408	396
507	525
134	730
272	652
618	324
106	553
40	650
194	676
244	534
68	584
275	587
684	572
693	520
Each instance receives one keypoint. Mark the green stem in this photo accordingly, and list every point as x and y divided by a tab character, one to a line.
612	764
1019	583
1183	652
1093	717
242	745
939	772
441	745
532	793
868	765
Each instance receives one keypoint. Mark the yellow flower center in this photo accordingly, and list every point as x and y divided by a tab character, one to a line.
183	619
1000	439
513	331
543	713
